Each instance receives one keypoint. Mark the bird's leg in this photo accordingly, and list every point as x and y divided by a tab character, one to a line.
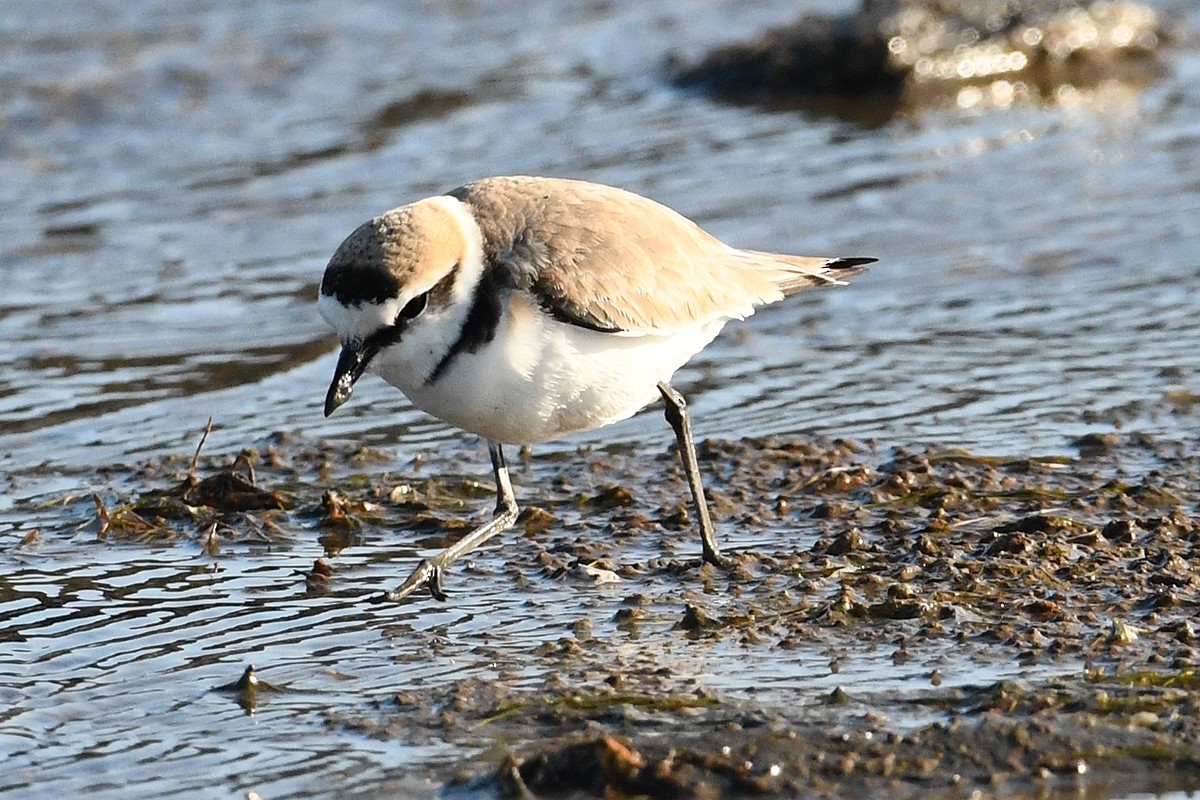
676	413
429	571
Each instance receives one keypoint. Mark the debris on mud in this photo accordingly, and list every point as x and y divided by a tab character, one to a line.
247	689
1087	737
208	503
1075	564
944	556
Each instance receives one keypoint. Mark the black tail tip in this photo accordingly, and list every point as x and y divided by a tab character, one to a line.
849	263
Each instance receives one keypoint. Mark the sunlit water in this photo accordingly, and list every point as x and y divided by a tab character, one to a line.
175	175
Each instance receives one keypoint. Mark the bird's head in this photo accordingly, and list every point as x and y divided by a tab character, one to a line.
391	277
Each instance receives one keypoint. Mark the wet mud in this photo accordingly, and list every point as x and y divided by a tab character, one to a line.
1088	737
1076	566
896	54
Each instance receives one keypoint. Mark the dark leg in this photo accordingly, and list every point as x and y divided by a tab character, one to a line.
677	415
429	571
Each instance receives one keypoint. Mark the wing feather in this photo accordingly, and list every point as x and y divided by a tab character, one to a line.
615	261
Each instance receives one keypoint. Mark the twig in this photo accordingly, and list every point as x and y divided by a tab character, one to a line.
199	447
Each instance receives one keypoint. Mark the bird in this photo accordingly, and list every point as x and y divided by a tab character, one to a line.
524	309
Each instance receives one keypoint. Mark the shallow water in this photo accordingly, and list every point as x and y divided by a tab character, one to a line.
174	180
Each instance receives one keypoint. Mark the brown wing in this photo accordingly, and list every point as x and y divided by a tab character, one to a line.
612	260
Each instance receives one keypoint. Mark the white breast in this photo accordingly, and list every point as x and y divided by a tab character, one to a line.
539	378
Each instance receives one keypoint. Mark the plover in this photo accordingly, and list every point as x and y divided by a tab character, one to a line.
523	309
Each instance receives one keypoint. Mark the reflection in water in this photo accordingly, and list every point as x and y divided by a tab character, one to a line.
176	177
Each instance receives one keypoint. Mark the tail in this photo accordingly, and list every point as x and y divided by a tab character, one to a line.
796	273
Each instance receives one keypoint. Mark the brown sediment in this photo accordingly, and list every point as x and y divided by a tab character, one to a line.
935	556
1092	736
208	504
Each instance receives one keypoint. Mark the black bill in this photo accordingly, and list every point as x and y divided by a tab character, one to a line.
350	366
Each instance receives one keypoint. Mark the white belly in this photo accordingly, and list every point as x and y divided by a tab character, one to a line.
539	378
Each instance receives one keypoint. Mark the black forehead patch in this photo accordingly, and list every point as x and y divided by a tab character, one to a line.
355	284
357	273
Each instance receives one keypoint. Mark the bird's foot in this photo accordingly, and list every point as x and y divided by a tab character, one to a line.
713	556
428	574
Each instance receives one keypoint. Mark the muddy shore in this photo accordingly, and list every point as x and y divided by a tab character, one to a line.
1077	566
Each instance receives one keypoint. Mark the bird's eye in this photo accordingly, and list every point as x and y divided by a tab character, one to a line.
412	309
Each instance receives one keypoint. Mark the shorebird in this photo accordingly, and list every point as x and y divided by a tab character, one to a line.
523	309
